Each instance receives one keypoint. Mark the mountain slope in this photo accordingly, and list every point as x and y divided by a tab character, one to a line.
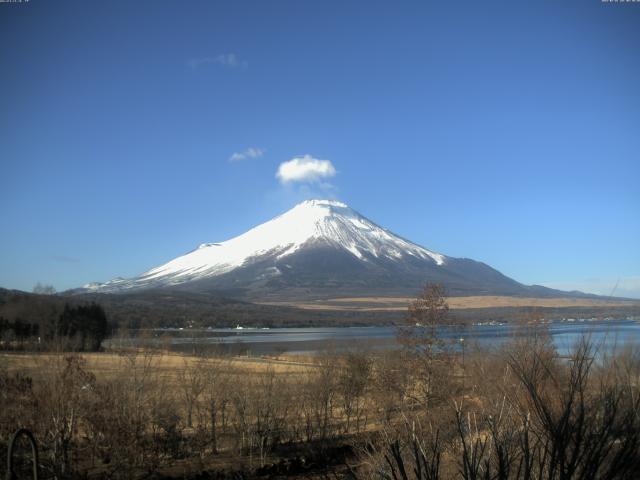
319	248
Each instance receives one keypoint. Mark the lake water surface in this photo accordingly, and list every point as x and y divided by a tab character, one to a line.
605	333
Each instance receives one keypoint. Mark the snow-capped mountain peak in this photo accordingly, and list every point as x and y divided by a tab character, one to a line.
310	223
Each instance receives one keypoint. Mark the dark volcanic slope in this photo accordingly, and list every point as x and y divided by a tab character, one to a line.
323	271
319	249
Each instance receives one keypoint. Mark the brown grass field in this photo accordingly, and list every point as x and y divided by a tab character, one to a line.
166	364
164	369
370	304
286	416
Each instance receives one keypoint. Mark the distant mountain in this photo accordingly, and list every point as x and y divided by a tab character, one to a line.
320	248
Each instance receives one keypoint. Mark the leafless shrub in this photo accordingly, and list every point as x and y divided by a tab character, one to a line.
523	413
191	379
216	398
545	418
391	384
403	451
353	381
318	396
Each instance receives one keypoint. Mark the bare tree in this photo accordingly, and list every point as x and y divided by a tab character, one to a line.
318	397
428	312
588	431
391	383
63	397
191	379
216	395
353	380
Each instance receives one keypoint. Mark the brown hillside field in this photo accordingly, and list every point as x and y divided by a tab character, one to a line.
400	303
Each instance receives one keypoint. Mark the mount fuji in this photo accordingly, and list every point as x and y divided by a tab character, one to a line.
319	248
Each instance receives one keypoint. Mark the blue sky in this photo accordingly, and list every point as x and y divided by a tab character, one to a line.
507	132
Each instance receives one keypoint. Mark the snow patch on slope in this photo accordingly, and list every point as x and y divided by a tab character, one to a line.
327	220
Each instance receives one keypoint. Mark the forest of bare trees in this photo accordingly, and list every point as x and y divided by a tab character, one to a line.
422	411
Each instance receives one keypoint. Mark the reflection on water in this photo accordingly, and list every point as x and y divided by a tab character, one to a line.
606	333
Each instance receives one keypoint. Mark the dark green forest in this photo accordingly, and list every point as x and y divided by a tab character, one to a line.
38	322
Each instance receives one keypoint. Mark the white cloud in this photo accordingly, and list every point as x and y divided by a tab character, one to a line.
305	169
251	152
229	60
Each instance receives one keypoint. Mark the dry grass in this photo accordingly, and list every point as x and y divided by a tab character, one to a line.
369	304
166	364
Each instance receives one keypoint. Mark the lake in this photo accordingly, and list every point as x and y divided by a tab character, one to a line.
608	333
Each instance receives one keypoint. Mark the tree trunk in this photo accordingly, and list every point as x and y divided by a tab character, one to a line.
214	431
